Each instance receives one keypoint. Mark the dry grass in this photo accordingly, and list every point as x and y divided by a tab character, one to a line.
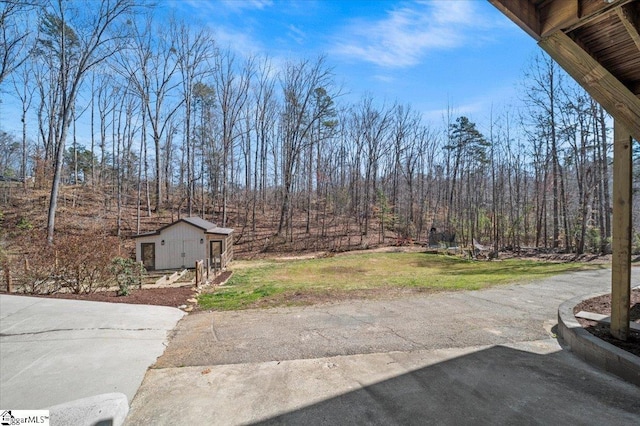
286	282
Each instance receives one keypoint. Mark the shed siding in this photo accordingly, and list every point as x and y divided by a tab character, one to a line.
181	238
178	239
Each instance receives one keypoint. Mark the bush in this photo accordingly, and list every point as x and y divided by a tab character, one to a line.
82	262
24	224
127	273
76	264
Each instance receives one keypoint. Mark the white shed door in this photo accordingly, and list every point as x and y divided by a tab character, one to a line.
183	253
190	253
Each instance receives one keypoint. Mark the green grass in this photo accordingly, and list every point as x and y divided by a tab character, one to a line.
281	283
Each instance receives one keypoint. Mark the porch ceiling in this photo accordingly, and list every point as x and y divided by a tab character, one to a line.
596	41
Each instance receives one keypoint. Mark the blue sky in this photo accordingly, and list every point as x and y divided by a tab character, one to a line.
431	54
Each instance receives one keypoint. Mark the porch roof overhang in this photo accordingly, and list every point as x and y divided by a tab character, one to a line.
596	41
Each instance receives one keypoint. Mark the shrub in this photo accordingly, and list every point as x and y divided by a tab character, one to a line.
77	264
82	263
127	273
24	224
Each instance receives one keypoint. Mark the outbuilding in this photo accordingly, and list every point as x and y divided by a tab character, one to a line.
182	243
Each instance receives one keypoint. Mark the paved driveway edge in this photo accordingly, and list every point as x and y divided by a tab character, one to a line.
592	349
106	409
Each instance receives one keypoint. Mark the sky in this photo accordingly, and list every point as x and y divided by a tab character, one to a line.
458	54
462	54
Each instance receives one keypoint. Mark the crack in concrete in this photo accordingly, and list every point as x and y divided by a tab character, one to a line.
395	333
316	331
213	333
386	327
518	307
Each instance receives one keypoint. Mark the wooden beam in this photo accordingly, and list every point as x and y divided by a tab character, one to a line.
631	25
590	10
555	15
558	14
614	96
621	242
523	13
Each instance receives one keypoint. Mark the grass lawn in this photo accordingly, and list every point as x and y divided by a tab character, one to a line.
291	282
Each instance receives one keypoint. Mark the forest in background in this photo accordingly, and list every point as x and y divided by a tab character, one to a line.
153	122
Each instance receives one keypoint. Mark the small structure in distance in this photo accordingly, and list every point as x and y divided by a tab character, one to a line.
182	243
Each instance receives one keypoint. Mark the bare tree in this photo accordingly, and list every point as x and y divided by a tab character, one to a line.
10	149
602	161
371	128
265	111
542	96
152	68
232	91
77	38
299	116
193	51
15	34
24	90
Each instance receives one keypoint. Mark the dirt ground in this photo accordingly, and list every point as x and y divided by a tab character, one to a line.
602	305
175	297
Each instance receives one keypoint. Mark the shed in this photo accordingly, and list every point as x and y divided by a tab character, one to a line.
182	243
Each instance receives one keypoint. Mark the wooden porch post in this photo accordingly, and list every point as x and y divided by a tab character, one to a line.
621	244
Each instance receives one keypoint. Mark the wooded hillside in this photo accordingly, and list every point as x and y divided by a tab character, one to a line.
128	124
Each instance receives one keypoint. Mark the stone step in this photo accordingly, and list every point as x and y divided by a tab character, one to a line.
603	318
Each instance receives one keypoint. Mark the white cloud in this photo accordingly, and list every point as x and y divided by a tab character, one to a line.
385	78
409	32
470	109
237	41
246	4
478	108
225	7
297	34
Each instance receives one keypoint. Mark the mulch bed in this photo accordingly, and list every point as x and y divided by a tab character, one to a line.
602	305
175	296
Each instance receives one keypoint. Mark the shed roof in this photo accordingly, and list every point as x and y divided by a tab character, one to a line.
198	222
219	230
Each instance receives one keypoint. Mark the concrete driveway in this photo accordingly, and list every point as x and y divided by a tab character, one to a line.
481	357
53	351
